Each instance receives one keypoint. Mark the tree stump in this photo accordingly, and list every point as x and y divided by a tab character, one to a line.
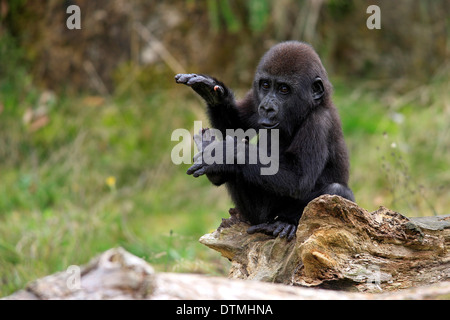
339	245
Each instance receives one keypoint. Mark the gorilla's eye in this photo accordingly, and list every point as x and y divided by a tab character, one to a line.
284	89
265	85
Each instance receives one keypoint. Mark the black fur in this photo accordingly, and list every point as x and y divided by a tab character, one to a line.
291	92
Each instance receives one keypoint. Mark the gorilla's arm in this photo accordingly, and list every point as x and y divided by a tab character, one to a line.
223	111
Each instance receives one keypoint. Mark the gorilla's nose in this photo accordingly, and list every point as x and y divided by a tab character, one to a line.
267	111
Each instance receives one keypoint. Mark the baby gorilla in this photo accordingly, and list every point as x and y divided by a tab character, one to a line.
291	93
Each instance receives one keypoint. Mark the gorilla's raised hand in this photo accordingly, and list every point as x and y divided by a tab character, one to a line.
211	90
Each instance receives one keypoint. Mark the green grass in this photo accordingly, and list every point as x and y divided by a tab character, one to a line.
57	208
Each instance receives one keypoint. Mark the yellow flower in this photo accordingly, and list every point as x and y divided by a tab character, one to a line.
111	182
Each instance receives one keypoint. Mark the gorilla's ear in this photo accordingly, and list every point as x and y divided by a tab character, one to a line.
318	89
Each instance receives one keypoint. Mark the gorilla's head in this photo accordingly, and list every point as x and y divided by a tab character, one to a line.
289	83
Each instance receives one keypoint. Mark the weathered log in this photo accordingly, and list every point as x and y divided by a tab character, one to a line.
117	274
339	245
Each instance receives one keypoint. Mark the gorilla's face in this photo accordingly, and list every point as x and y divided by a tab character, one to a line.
284	100
273	95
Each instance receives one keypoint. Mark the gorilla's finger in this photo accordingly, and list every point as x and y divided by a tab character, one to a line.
199	172
257	228
280	228
286	230
200	80
183	78
292	233
194	168
198	158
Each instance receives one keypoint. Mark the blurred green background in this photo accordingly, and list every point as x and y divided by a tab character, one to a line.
86	118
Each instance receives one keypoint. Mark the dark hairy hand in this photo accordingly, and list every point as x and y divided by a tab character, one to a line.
204	160
205	86
202	140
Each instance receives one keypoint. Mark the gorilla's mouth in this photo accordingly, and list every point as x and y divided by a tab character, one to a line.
265	125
